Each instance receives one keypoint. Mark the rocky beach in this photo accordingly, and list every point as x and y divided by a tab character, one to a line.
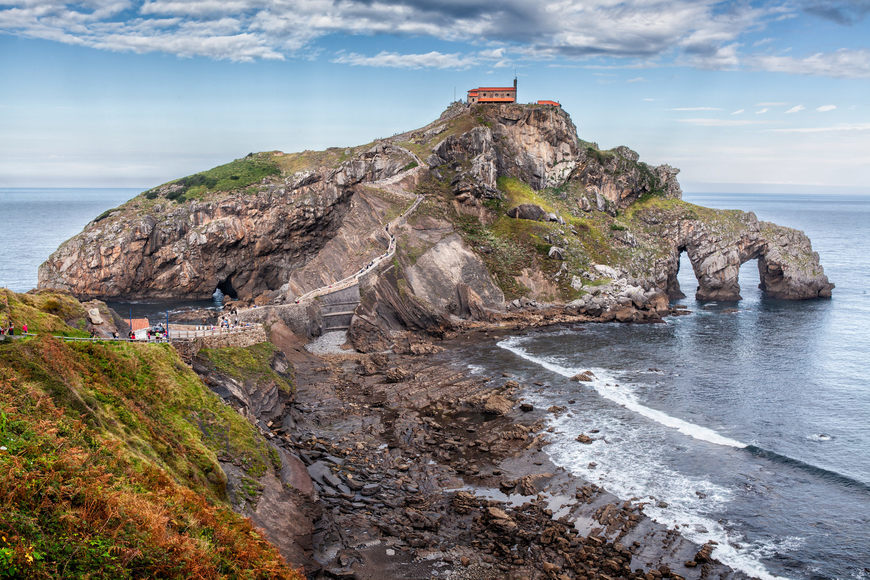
424	471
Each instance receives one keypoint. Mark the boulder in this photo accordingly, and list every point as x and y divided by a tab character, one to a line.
584	377
528	211
497	405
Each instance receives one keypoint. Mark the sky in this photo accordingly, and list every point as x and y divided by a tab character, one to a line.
741	96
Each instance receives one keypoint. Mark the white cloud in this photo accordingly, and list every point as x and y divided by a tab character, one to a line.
432	59
826	108
696	109
795	109
706	122
636	80
846	127
762	111
844	63
739	112
705	32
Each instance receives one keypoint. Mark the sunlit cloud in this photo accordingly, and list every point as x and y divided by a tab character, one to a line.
826	108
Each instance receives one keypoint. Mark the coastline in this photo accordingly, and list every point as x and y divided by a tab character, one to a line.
425	470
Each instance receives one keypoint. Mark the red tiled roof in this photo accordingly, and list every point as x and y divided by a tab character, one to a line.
140	323
496	100
554	103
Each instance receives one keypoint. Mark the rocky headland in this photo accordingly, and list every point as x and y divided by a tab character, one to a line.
517	211
386	460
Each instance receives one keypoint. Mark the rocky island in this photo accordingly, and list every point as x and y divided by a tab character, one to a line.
382	459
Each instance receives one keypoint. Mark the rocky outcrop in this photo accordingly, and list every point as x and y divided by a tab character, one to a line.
598	231
261	399
245	243
438	274
788	267
617	176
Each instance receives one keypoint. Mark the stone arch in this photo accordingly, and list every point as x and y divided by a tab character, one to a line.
787	266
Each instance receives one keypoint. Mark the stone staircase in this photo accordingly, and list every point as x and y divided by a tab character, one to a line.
338	307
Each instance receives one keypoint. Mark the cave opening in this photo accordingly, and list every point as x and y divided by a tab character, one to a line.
226	288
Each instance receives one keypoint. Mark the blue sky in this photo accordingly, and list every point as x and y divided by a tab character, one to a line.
741	96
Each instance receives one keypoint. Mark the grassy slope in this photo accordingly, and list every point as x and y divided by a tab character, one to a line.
248	363
110	467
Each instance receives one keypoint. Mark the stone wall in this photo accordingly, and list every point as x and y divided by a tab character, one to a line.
188	348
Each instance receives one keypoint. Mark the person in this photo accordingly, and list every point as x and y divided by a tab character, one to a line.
24	328
148	334
115	334
11	331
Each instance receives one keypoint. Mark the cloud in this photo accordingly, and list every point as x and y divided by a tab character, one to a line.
696	109
762	111
707	122
432	59
826	108
840	11
636	80
847	127
843	63
795	109
739	112
704	32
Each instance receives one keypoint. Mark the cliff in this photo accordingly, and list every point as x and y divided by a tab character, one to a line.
514	206
117	461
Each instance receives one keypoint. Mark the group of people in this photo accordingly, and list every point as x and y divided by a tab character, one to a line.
9	328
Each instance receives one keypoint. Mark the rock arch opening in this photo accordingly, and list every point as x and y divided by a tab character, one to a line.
226	288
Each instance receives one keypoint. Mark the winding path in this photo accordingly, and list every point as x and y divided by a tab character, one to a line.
388	184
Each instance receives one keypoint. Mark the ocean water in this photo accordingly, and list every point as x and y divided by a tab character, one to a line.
36	221
749	420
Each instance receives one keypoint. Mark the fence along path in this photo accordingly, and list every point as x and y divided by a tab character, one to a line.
389	184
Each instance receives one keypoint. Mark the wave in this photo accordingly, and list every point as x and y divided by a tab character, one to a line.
821	472
625	398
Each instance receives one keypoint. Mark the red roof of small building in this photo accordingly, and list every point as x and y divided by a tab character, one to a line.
493	89
140	323
554	103
496	100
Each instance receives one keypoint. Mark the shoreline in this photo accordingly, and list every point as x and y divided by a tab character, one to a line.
456	482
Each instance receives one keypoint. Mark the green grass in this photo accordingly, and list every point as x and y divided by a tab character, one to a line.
110	467
250	363
43	311
236	175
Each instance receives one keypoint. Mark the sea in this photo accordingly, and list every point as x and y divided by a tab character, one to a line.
746	423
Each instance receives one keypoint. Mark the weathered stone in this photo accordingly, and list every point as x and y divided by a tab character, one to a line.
497	405
528	211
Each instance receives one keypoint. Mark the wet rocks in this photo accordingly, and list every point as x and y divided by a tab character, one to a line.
497	405
584	377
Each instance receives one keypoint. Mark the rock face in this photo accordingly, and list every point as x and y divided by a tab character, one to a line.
788	267
598	232
245	244
618	177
